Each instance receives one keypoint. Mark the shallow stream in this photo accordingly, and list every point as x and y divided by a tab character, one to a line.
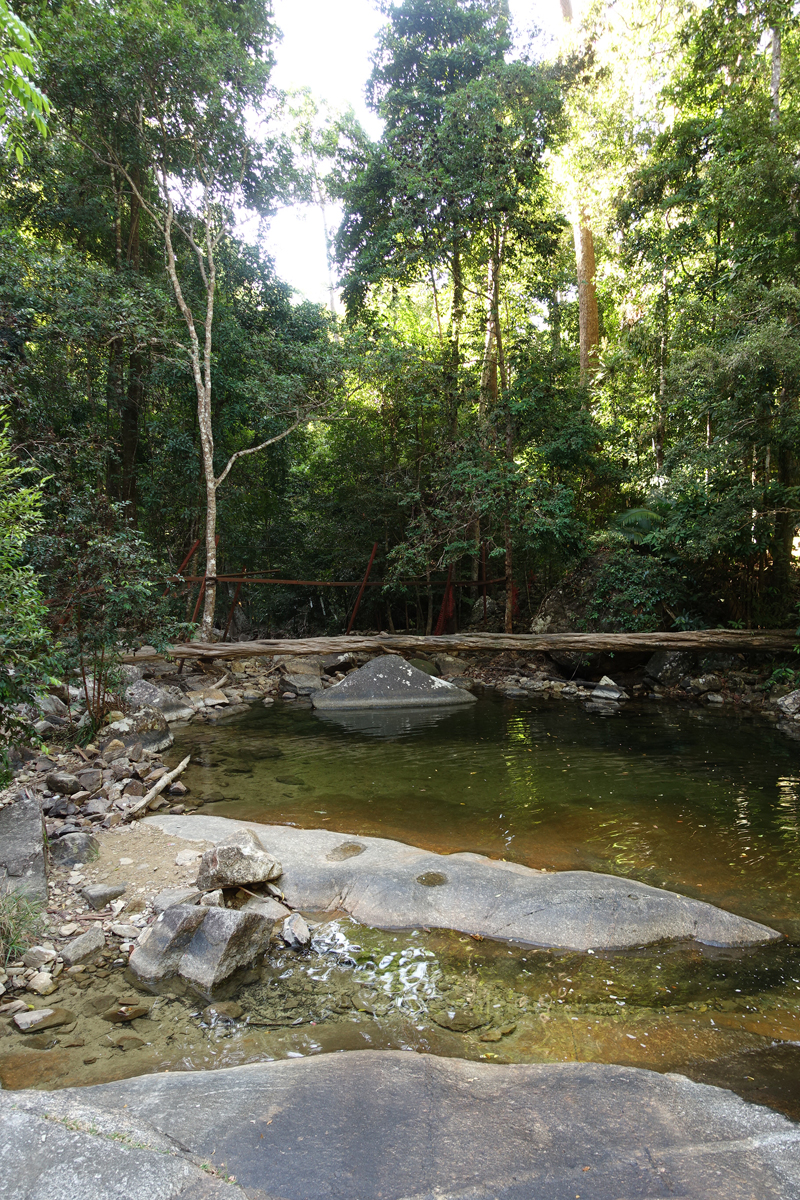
705	804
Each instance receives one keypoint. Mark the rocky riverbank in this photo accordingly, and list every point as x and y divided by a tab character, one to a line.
159	694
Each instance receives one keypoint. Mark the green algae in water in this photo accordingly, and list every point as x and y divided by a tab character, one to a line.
676	1007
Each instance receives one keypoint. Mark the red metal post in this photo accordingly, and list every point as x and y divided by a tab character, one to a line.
233	609
199	600
184	563
443	613
484	580
361	589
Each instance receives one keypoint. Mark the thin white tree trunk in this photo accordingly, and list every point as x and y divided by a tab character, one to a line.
201	373
588	316
775	82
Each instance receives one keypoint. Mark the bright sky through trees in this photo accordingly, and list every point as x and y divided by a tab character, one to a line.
327	46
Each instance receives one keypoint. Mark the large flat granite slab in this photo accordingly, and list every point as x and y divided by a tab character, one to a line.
391	885
389	1125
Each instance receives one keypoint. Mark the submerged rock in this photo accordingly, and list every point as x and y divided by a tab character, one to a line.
42	1018
238	859
295	932
390	682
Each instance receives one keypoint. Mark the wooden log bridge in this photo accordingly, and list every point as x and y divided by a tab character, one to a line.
732	640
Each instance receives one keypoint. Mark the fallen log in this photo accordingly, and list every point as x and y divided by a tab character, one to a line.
156	789
732	640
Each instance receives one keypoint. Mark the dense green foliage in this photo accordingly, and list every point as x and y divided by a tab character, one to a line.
26	653
445	415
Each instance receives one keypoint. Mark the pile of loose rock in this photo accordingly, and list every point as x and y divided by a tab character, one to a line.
92	789
205	935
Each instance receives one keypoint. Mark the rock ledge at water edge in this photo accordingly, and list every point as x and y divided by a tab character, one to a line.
390	885
389	1125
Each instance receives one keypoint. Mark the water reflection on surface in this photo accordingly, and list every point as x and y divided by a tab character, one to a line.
705	804
724	1016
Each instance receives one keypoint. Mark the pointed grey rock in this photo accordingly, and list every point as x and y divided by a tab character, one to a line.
390	682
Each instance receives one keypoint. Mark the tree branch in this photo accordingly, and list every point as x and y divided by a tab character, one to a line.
262	445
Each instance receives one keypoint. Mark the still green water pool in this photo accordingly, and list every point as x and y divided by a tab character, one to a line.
706	804
702	803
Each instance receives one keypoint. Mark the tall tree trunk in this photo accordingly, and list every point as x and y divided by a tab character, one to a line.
663	352
488	392
113	404
588	316
129	434
131	400
775	80
200	359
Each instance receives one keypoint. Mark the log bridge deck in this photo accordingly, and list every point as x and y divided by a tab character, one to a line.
732	640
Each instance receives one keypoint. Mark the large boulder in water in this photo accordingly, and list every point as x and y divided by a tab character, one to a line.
391	682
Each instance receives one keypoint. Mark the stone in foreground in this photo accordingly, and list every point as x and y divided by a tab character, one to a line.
98	895
73	849
238	859
84	947
295	932
159	952
390	682
225	941
72	1151
171	896
381	1125
147	727
144	694
63	783
388	884
37	1019
201	945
